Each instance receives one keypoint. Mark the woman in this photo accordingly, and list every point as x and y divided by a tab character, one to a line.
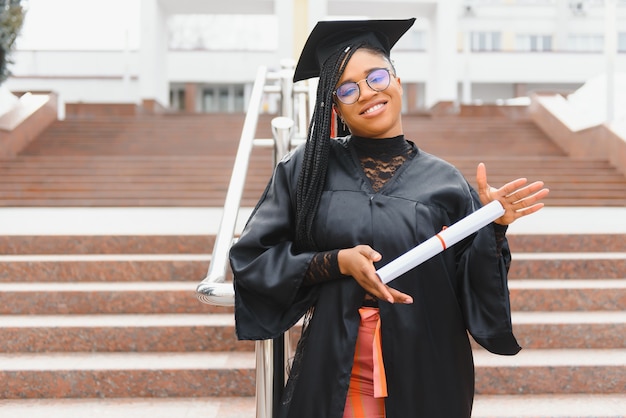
337	209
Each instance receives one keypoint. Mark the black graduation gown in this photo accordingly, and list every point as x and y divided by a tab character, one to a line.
426	350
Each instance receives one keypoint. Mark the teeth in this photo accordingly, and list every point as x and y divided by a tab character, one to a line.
373	108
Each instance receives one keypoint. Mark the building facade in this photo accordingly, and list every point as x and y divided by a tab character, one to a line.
200	56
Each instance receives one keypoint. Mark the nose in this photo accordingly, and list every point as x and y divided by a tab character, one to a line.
365	91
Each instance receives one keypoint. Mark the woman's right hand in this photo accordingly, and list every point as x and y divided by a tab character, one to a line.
358	262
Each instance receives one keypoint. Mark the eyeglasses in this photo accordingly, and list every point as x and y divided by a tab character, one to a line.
377	80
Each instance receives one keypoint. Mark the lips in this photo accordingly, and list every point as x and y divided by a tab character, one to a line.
373	108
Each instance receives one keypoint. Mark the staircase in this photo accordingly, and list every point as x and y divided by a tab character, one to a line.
178	160
107	325
186	161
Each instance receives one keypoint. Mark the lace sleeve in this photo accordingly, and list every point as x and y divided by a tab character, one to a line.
500	231
323	267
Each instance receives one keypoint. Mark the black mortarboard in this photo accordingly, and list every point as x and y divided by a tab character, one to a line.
329	36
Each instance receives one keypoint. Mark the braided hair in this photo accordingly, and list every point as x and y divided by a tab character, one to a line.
317	149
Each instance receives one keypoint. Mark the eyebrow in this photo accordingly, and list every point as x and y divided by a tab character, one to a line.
366	72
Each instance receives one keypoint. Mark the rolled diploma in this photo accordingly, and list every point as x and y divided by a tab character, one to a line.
436	244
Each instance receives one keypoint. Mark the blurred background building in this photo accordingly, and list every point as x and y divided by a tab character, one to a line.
202	56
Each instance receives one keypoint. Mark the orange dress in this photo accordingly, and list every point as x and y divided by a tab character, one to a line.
368	388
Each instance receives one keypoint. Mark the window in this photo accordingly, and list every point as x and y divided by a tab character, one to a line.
534	43
177	98
621	42
486	41
223	98
585	42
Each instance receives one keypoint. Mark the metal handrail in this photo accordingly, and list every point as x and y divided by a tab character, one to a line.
213	290
287	131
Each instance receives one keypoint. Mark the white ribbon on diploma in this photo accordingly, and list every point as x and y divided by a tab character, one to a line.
446	238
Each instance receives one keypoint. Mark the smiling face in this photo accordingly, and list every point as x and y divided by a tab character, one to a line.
376	114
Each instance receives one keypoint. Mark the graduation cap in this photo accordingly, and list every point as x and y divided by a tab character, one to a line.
329	36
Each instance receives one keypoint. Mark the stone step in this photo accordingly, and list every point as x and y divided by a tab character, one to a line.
215	332
203	243
250	198
552	371
485	406
140	407
46	298
193	374
120	333
568	295
565	330
106	244
126	375
187	267
549	243
579	405
568	265
150	135
68	187
207	172
130	191
93	201
104	267
261	163
50	298
261	157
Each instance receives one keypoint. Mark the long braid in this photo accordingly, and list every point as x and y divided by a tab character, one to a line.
317	149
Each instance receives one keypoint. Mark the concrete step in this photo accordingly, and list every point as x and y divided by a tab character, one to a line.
485	406
122	375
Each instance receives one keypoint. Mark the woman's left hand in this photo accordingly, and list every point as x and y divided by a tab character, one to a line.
517	198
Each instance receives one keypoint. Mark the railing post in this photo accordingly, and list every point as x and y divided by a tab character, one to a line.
264	376
272	357
282	131
286	84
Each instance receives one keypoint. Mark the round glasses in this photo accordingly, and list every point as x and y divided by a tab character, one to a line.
349	92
